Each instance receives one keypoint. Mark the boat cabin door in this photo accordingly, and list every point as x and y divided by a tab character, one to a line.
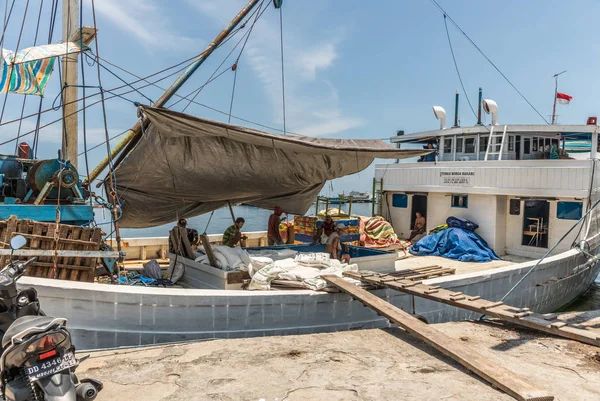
535	223
419	204
518	147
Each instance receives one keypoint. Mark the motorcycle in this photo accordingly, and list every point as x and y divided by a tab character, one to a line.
38	360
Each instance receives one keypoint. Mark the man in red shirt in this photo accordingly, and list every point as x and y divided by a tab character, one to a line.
273	234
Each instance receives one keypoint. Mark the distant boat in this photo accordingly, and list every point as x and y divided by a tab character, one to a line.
359	197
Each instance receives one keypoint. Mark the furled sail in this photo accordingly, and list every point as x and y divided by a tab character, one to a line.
27	72
185	166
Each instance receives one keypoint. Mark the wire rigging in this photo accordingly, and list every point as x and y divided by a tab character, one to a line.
7	15
257	13
488	59
457	70
84	111
25	97
282	69
10	74
235	65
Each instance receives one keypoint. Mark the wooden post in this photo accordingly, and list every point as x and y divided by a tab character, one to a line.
70	18
231	211
208	250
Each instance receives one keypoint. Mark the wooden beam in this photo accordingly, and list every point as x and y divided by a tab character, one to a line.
208	250
61	253
231	211
504	379
477	304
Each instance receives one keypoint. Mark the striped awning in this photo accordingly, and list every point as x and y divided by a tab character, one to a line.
28	71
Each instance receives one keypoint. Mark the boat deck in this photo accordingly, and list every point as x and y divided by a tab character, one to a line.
410	261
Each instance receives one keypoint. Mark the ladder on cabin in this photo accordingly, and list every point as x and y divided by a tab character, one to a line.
492	145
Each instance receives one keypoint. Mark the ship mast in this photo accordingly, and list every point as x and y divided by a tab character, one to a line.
70	25
136	130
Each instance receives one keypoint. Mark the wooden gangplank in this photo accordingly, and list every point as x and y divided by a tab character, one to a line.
520	316
504	379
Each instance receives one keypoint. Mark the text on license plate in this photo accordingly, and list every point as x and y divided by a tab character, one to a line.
51	366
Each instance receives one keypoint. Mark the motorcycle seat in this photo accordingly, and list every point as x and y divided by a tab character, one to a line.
23	323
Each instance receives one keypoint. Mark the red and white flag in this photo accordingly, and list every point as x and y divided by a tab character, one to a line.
563	98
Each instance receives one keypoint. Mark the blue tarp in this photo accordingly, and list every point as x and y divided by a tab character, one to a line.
455	243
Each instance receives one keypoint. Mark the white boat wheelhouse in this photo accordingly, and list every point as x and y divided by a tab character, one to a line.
513	180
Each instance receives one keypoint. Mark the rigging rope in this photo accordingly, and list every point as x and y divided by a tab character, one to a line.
488	59
87	165
111	173
37	30
237	60
282	70
257	13
6	21
36	137
457	70
10	74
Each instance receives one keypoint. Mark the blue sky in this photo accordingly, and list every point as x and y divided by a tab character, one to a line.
354	69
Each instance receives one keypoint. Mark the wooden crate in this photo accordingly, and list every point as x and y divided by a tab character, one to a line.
40	235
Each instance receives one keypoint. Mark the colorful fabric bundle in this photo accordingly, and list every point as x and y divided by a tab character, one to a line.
376	232
28	71
437	229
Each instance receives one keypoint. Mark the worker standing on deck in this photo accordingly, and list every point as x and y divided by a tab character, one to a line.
323	233
273	234
233	235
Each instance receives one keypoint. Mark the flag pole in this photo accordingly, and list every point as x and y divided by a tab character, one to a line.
555	94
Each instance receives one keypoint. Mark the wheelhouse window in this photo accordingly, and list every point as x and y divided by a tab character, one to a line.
469	145
448	145
400	200
459	145
526	146
569	210
460	201
483	143
511	143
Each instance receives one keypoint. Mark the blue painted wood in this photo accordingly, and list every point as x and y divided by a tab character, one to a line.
69	214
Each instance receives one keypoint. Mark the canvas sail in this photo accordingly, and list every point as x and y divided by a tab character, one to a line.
184	166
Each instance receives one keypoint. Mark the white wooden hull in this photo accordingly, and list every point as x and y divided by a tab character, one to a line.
105	316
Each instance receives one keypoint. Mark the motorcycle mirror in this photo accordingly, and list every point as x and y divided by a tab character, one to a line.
17	242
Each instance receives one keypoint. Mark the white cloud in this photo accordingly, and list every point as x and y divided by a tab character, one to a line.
144	20
312	104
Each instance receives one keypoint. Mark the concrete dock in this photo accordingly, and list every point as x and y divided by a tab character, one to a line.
358	365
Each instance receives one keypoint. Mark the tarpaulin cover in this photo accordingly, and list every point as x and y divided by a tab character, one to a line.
455	243
185	166
28	71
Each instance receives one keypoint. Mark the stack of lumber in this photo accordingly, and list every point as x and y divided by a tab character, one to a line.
40	235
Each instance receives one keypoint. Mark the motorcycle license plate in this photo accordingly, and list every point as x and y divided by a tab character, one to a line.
51	366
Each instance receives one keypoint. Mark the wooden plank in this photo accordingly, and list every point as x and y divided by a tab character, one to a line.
504	379
63	266
61	253
494	309
85	235
63	232
96	238
237	277
34	244
11	226
208	250
64	240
